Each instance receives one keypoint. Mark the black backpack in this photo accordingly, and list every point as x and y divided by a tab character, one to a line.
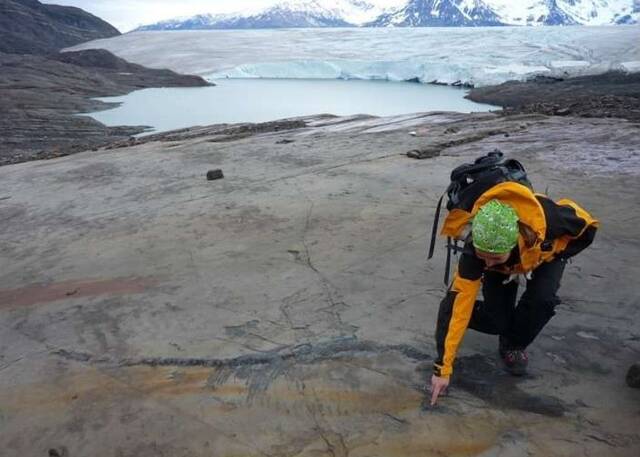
468	182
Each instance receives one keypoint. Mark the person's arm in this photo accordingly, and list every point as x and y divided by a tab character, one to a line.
570	228
583	228
453	318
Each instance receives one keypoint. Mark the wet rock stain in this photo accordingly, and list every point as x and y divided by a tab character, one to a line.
260	370
477	375
330	418
67	290
482	379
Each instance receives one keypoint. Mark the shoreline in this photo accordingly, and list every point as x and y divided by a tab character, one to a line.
43	99
46	120
613	94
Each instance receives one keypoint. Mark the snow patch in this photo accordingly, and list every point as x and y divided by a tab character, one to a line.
517	69
570	64
587	336
631	67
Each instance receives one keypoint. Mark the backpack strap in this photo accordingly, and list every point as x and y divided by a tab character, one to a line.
451	247
447	266
434	229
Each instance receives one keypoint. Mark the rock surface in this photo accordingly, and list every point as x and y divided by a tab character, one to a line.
289	309
613	94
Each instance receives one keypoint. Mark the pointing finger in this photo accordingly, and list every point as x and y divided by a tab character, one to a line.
435	391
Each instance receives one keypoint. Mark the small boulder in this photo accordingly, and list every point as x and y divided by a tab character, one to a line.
633	376
428	152
214	174
62	452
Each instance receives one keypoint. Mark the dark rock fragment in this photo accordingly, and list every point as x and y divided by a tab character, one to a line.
541	79
465	85
214	174
61	452
633	376
425	153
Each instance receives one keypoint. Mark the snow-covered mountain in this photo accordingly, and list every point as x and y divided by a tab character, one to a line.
566	12
511	12
415	13
292	13
440	13
602	12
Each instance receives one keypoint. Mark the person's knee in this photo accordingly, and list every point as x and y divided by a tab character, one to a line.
541	296
502	323
540	307
489	318
548	306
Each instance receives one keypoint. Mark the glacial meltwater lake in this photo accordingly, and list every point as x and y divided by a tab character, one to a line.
279	73
261	100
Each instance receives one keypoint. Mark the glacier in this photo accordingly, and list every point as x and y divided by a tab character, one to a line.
409	70
475	56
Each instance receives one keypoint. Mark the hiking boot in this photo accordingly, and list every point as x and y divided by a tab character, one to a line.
515	360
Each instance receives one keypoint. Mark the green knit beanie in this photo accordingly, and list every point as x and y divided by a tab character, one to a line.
495	228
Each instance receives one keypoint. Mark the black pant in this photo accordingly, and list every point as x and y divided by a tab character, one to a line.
518	325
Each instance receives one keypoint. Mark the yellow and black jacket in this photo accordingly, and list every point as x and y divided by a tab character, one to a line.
556	230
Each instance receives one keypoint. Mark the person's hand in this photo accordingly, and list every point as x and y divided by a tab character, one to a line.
438	387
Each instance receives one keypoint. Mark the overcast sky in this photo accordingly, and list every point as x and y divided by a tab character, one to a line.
126	15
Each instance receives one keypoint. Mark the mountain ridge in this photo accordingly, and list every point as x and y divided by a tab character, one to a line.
30	27
416	13
42	90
